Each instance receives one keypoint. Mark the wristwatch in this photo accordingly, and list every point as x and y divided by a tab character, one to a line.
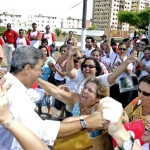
83	123
127	145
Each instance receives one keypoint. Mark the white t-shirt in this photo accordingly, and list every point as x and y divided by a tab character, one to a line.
144	72
57	76
34	43
106	61
87	52
114	60
21	42
22	109
48	37
80	80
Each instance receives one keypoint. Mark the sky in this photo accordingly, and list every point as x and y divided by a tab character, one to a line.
58	8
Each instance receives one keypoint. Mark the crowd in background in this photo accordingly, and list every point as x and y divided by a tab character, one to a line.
76	82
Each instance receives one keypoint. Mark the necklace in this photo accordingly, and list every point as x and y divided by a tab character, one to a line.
85	112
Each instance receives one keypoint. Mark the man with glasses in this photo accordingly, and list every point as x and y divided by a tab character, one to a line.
22	40
9	37
51	39
34	36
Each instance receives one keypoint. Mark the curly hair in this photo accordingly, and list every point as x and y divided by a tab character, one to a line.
97	65
102	90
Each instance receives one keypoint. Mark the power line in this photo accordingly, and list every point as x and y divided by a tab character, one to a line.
77	4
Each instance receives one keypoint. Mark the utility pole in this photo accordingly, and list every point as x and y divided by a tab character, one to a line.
83	34
149	31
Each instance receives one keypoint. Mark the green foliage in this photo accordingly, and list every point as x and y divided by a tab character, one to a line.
93	27
2	29
64	33
138	19
57	31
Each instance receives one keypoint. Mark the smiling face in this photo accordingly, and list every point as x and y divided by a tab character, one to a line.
89	68
89	94
147	54
96	55
122	49
144	88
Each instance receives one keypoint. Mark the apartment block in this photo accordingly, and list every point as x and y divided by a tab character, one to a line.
105	12
25	22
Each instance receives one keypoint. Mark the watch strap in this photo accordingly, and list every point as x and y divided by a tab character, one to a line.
83	123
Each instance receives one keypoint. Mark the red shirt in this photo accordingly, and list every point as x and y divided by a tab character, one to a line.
10	36
1	42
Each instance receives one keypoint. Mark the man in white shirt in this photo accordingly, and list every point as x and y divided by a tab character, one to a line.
26	65
34	36
89	46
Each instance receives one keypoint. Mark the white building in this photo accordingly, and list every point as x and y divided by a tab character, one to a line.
25	22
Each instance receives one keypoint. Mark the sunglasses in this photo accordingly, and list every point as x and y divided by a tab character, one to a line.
20	32
47	28
124	49
70	43
8	26
144	93
89	66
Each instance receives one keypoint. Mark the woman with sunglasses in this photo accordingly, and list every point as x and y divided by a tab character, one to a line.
91	68
115	91
140	106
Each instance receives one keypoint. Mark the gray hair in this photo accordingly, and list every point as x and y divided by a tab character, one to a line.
25	55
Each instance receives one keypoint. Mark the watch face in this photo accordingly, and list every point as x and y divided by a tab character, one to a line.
127	145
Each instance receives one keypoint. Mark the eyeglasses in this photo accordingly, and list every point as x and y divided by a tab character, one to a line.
89	66
142	44
70	43
89	90
124	49
144	93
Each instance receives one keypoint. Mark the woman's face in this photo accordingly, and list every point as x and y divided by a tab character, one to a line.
147	54
44	51
89	94
89	68
122	49
96	55
63	50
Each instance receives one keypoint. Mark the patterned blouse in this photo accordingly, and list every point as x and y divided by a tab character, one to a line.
134	110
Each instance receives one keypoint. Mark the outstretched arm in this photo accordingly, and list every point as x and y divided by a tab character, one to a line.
21	133
112	76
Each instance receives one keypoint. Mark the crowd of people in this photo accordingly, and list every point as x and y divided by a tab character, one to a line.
99	88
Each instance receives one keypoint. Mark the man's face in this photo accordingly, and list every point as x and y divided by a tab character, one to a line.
89	44
34	27
47	28
144	93
9	27
35	71
21	33
141	46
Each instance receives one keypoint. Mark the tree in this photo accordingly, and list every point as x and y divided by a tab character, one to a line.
64	33
2	29
57	31
138	19
93	27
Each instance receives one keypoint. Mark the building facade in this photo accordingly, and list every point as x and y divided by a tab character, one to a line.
105	12
25	22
